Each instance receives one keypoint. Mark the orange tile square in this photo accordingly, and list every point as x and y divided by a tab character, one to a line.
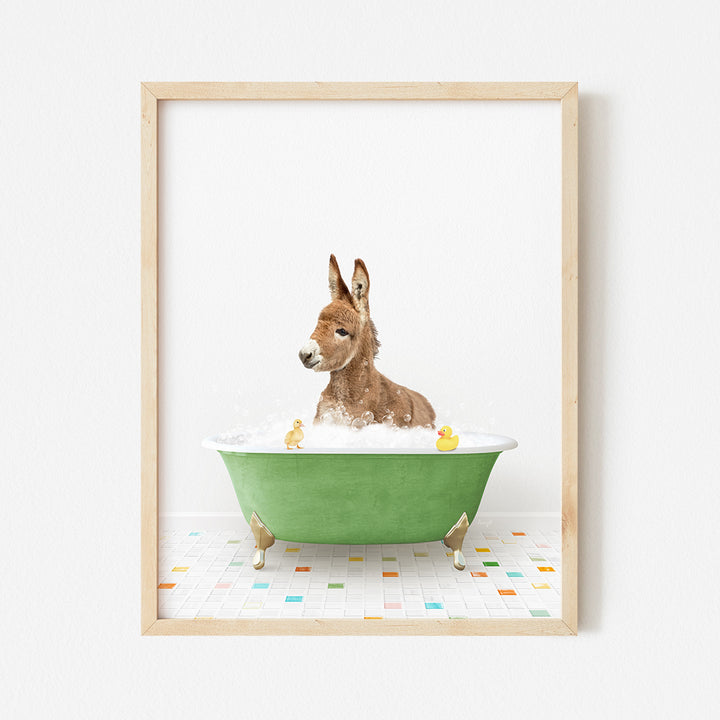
507	592
166	586
519	534
372	617
546	569
391	574
482	549
478	574
302	569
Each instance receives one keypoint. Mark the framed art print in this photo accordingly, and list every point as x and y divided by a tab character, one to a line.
359	358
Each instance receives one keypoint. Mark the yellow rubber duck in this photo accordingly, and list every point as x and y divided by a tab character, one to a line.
446	441
295	436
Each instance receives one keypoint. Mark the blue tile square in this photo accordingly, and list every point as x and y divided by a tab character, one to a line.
293	598
260	586
434	606
514	574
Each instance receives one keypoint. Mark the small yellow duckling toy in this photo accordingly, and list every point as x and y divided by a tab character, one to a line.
295	436
446	441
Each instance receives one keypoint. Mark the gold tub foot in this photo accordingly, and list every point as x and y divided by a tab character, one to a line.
263	539
454	540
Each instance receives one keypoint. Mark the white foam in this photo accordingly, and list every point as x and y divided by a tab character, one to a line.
365	437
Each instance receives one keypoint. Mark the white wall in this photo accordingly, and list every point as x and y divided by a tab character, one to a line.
69	253
455	208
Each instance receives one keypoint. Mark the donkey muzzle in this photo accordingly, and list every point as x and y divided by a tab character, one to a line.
310	354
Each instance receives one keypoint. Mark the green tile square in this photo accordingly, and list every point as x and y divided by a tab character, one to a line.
540	613
236	564
336	586
491	563
389	559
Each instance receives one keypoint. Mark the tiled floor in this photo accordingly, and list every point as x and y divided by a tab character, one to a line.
511	572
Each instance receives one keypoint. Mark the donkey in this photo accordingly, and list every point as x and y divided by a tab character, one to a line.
345	344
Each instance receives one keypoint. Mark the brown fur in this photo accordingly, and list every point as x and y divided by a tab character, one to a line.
355	386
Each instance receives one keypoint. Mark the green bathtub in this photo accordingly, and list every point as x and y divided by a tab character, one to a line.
361	497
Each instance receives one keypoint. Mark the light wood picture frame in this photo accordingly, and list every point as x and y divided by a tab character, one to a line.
154	93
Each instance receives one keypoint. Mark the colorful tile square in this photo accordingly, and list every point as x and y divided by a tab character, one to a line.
540	613
303	569
391	574
294	598
491	563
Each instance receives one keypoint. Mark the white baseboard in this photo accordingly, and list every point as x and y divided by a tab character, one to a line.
235	521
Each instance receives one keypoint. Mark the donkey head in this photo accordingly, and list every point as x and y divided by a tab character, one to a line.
344	330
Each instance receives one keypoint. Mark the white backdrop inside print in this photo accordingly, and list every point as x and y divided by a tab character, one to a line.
455	208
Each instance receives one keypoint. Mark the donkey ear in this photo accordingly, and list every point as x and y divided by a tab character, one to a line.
338	288
360	287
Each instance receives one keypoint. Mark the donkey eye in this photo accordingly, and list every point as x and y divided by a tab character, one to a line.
342	332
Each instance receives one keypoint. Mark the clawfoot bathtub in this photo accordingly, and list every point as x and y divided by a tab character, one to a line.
361	496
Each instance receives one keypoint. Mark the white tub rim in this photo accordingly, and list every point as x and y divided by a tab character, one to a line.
475	443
